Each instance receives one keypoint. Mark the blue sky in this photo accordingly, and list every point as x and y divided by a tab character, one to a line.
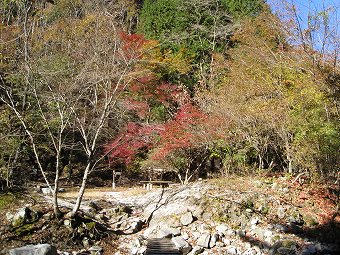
304	7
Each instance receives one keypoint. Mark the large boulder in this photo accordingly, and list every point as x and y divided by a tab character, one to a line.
187	219
22	216
134	226
165	231
204	240
284	247
40	249
181	244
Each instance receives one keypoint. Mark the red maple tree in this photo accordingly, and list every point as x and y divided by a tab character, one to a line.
132	45
144	93
179	133
131	141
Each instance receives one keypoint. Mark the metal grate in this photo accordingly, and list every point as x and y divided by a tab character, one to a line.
161	246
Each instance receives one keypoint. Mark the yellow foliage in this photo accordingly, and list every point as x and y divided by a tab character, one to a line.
154	58
276	89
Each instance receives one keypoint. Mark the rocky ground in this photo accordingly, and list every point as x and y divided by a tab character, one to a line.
226	216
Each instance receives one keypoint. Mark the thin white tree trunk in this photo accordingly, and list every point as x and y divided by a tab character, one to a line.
81	190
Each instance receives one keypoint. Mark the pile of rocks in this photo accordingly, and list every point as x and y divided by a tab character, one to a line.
188	216
196	236
47	249
40	249
194	229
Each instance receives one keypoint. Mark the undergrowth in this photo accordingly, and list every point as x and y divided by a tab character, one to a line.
8	199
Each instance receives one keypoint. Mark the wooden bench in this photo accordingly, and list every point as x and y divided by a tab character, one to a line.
149	184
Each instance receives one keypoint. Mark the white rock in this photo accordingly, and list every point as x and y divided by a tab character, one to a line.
226	241
204	240
141	250
40	249
222	229
21	214
181	244
134	251
249	251
318	246
281	212
135	226
150	232
166	231
268	233
9	216
220	244
270	226
186	219
46	191
270	241
196	235
185	235
135	243
247	245
232	250
197	250
213	240
280	228
67	223
85	242
253	227
254	221
230	232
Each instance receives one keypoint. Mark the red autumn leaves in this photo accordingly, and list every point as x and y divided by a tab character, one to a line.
147	92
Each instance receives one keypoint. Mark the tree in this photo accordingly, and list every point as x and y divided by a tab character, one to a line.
181	143
245	8
280	107
196	28
73	73
14	83
314	27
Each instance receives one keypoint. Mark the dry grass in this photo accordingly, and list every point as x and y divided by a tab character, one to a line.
239	183
101	192
314	199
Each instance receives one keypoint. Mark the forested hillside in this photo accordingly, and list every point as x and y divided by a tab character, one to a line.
195	87
230	107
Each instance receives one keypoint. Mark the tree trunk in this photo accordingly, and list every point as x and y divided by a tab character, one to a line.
260	162
81	190
186	180
290	164
113	179
180	178
290	167
289	157
56	187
